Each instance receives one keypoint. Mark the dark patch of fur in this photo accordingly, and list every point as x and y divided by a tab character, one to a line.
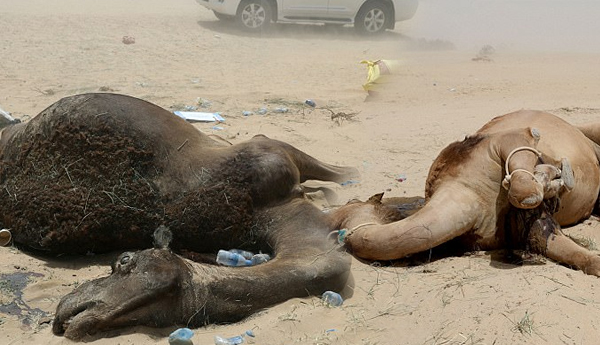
529	229
450	159
81	182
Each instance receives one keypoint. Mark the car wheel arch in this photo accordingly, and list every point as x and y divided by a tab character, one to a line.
390	7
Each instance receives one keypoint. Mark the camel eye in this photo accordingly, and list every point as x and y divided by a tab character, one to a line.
125	260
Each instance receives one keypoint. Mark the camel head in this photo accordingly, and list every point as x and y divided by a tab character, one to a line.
144	288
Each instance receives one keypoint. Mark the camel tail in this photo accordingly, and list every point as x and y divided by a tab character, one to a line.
443	218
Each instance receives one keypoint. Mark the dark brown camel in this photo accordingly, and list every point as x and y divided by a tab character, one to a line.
513	184
100	172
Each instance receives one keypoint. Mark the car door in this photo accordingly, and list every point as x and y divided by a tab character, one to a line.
299	9
343	9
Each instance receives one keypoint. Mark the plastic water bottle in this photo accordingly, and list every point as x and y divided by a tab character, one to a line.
332	298
181	336
260	258
229	341
246	254
227	258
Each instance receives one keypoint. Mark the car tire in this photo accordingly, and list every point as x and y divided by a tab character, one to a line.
254	15
373	18
223	17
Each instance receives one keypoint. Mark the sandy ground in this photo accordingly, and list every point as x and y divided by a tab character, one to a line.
183	55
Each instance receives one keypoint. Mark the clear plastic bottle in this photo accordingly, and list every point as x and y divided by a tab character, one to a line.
246	254
332	298
260	258
229	341
181	336
227	258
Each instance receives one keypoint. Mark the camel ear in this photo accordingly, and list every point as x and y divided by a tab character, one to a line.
162	237
375	199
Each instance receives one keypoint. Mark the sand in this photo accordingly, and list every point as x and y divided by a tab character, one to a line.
183	56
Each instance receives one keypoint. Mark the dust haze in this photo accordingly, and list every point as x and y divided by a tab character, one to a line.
522	25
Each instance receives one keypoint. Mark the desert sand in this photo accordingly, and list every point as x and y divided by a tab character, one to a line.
546	56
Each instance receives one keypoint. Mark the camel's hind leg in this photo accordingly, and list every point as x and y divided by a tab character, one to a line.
547	238
309	167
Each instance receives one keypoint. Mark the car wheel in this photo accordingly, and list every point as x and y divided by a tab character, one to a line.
223	17
373	18
254	14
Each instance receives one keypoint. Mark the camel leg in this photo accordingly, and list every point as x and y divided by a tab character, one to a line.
547	238
309	167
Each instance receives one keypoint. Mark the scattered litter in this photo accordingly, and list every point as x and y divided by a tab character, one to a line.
281	110
5	237
229	341
217	128
452	89
378	72
203	103
6	119
332	299
199	116
262	111
190	108
181	336
247	113
310	103
330	330
128	40
250	333
401	178
349	182
239	258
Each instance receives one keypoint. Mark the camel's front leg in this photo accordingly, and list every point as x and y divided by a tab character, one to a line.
547	238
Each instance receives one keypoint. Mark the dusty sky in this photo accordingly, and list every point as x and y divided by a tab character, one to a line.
538	25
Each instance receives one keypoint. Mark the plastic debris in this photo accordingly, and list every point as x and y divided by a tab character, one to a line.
332	299
239	258
310	103
229	341
181	336
401	178
262	111
349	182
199	116
247	113
5	237
250	333
217	128
281	110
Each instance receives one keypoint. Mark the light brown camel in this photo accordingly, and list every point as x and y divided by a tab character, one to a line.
512	184
100	172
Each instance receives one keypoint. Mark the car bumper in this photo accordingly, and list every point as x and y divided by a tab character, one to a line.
228	7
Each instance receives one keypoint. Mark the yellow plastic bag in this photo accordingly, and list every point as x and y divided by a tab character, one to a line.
378	72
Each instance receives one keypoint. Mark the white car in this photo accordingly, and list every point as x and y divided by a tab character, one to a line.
367	16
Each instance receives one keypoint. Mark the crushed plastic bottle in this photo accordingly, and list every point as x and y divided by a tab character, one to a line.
258	259
332	298
246	254
281	110
227	258
181	336
229	341
310	103
262	111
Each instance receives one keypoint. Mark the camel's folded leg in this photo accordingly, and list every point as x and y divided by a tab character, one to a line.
547	238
